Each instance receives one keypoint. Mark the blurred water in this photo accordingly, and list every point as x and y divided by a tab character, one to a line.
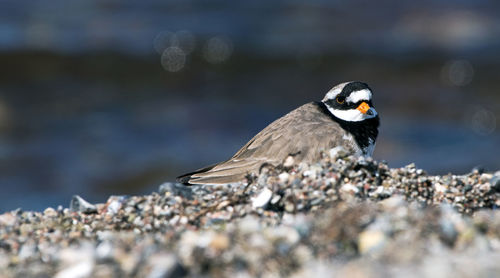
115	97
270	27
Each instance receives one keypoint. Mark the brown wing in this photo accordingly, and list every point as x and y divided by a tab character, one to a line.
304	132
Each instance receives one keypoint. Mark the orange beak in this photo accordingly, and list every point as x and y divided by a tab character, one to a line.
363	107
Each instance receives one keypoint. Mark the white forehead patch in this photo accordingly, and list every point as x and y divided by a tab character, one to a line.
335	91
360	95
332	94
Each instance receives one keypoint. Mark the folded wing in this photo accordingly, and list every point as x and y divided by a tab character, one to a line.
303	133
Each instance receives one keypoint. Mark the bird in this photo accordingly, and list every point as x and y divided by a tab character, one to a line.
345	117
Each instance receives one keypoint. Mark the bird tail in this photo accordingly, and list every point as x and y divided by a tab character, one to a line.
188	176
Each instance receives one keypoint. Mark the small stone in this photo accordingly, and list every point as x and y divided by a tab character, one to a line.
303	166
114	204
303	253
262	199
8	219
485	177
448	232
439	188
104	250
371	241
4	261
337	152
78	204
77	270
495	182
249	224
174	220
176	189
485	187
164	265
291	235
349	188
393	202
223	204
317	201
479	169
183	220
275	199
284	177
27	251
76	261
313	171
219	242
50	212
289	161
289	207
104	235
378	191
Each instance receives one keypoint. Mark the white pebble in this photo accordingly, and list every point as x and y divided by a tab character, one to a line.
439	188
349	188
337	151
262	199
284	177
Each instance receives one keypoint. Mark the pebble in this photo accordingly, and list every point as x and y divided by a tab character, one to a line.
439	188
114	204
337	152
220	242
284	177
289	161
343	213
164	265
263	198
175	189
495	182
50	212
349	188
8	219
78	204
81	269
371	241
275	199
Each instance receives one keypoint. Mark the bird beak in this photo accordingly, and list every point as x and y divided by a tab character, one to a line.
364	107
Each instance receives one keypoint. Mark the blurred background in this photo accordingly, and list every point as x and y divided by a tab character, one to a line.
117	96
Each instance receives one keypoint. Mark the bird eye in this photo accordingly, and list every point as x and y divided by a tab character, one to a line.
340	99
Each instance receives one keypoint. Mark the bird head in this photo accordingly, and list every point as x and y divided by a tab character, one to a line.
350	101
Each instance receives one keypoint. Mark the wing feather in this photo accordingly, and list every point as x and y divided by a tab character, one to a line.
304	132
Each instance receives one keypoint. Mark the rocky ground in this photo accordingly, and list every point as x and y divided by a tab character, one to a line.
342	217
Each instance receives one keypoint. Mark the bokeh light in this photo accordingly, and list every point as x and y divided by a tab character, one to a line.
483	121
457	72
173	59
217	50
185	40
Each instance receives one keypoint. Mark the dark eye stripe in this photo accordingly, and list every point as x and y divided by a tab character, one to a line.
346	105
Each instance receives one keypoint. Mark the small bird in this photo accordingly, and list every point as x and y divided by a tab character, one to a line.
345	117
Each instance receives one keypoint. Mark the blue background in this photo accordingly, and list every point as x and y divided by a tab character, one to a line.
116	97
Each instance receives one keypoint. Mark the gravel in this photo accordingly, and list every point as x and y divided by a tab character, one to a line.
340	217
